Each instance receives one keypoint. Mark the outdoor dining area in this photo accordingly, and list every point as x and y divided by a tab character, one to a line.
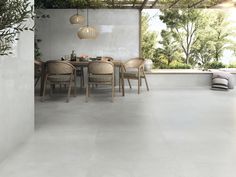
100	71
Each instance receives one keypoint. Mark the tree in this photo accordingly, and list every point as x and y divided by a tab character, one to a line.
222	32
203	50
184	25
169	47
149	39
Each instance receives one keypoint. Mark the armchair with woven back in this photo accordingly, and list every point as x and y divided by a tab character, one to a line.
38	69
133	69
100	73
59	73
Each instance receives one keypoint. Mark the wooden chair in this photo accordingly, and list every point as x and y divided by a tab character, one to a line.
38	64
100	73
133	69
59	72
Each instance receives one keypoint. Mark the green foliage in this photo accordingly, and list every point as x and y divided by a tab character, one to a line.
195	37
110	3
214	65
232	65
149	39
179	65
39	16
169	47
203	49
184	25
37	53
13	14
160	61
221	32
61	4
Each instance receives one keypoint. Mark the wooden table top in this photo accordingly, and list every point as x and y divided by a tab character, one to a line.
85	63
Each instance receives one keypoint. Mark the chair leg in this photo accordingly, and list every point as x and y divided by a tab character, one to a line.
75	85
82	81
139	85
51	89
120	76
44	88
146	82
82	77
75	89
69	90
119	84
113	91
129	84
123	85
87	92
36	81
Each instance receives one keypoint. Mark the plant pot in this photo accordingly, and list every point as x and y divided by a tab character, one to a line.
148	64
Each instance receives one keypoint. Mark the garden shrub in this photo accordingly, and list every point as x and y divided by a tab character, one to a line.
214	65
178	65
232	65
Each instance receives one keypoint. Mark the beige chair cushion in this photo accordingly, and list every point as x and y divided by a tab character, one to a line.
132	74
100	78
59	78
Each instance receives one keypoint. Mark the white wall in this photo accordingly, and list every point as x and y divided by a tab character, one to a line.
119	34
17	95
180	81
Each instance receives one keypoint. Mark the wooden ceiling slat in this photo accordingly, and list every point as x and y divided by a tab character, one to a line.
154	4
174	3
132	4
196	3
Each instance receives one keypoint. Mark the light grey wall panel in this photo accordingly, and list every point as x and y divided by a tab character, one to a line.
17	95
118	34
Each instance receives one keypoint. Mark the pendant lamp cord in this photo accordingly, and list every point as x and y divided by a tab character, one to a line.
77	5
87	18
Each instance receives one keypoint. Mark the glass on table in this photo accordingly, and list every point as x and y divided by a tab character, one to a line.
67	57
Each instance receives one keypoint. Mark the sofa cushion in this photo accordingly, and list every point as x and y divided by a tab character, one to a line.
220	83
224	75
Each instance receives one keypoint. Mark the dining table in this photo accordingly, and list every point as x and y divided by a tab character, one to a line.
78	63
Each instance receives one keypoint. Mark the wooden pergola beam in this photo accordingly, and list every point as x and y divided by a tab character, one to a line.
143	4
196	3
134	3
174	3
222	1
154	4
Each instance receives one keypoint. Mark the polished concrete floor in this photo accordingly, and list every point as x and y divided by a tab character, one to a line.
161	133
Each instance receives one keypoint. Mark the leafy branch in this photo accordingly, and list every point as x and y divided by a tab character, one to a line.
13	15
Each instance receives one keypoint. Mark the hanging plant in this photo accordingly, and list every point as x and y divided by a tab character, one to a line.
13	14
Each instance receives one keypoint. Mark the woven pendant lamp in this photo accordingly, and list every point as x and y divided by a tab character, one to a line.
77	19
87	32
